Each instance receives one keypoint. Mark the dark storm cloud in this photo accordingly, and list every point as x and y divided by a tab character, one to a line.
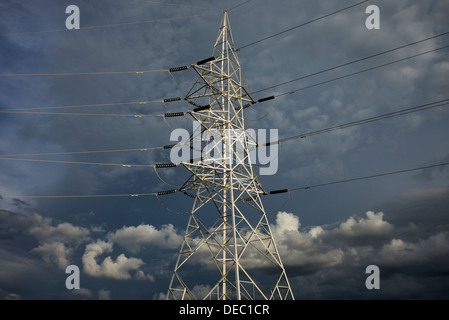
424	210
409	243
337	257
34	247
398	223
144	46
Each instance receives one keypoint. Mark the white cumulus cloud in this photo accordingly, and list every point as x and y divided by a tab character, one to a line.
372	225
431	252
119	268
303	250
54	252
134	238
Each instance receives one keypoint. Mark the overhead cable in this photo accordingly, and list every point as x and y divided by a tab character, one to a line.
300	25
359	178
238	5
361	71
85	105
178	5
91	163
85	114
308	187
351	62
108	25
402	112
79	152
161	115
80	196
170	70
422	107
351	74
80	73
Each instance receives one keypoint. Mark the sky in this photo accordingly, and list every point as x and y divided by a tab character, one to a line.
126	247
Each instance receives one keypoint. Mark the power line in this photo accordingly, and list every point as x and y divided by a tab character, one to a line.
300	25
351	62
80	152
107	25
80	73
85	163
359	72
238	5
85	105
179	5
159	193
83	196
368	177
402	112
271	192
161	115
85	114
347	75
357	179
170	71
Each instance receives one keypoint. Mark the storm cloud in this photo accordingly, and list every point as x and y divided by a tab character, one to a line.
126	247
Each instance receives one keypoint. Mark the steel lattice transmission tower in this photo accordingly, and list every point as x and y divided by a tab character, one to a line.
237	253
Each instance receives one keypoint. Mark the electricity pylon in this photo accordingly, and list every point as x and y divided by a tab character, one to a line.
237	253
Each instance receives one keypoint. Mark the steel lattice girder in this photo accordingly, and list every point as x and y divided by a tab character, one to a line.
236	247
